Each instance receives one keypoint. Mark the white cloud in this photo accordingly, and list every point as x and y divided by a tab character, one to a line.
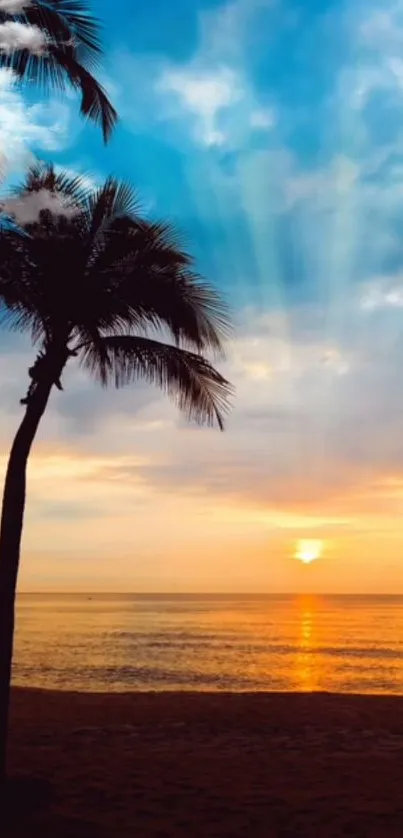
14	7
323	186
26	210
226	30
382	293
19	36
378	37
314	438
316	412
89	179
263	118
24	127
381	25
212	97
219	101
214	89
205	95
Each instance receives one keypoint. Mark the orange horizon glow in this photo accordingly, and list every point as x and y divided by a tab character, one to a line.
108	520
108	528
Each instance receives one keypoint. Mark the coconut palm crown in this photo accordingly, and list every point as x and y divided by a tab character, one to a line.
51	42
90	278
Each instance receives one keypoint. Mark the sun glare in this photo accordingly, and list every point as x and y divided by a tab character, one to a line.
308	551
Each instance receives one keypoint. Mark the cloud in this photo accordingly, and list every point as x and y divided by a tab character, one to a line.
25	127
288	207
378	39
26	210
381	26
218	99
205	95
211	99
263	118
382	293
14	7
89	178
316	421
313	446
215	88
22	36
310	238
323	187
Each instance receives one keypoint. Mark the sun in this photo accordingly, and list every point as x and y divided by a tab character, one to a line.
308	551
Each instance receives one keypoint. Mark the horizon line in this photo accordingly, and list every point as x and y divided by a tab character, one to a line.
207	593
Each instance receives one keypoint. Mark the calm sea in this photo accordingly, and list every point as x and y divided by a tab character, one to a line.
149	642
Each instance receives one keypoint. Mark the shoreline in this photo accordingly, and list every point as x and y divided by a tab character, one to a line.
250	710
211	764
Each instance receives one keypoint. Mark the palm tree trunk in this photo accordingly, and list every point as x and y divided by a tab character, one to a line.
10	539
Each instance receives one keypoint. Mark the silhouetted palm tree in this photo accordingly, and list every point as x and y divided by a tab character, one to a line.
68	50
97	283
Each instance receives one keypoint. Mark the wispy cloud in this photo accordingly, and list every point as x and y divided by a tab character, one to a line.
283	428
289	466
290	188
211	99
204	94
27	209
224	109
21	36
377	32
214	88
14	7
26	127
382	293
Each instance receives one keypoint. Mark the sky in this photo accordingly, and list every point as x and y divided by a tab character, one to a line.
270	133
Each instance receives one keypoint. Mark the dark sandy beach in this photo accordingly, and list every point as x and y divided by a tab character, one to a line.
148	765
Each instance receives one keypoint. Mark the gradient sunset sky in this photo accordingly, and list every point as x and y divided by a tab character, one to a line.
271	133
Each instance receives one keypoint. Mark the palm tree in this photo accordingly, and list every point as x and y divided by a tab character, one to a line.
100	284
69	51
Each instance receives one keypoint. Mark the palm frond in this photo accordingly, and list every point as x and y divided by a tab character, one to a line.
71	54
100	277
53	69
149	271
63	22
113	200
161	240
190	380
20	302
94	100
43	176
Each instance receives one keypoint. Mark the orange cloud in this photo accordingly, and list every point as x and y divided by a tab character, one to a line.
123	492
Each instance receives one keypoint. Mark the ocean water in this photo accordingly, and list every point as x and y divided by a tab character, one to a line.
210	642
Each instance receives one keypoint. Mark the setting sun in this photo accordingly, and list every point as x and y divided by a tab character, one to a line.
308	551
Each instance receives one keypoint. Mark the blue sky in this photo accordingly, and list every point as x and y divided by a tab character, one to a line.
209	93
245	121
271	133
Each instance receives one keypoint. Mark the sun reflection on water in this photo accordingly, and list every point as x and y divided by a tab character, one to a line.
307	663
283	643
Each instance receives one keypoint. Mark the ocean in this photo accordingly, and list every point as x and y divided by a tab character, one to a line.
345	644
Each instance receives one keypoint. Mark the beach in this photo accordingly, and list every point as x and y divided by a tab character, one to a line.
209	764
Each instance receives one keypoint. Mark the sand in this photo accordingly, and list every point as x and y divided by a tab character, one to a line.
169	764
